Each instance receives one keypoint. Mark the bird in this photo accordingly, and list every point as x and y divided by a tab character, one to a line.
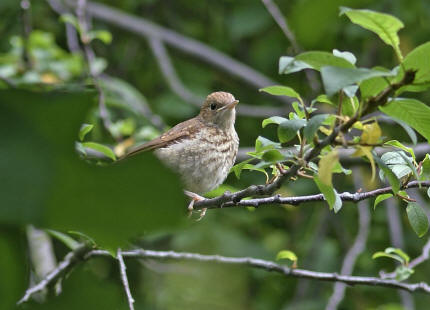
202	149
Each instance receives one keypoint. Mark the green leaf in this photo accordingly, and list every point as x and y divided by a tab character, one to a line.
273	156
105	150
237	169
278	90
85	128
312	126
71	19
102	35
411	133
381	198
58	190
311	60
286	254
428	192
287	130
413	112
330	195
419	60
262	144
425	167
397	163
273	120
384	254
417	218
348	56
64	238
403	273
399	145
336	78
389	174
399	252
384	25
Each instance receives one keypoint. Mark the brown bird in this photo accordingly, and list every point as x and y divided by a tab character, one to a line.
202	149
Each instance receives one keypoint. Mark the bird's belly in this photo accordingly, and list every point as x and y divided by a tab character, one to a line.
202	166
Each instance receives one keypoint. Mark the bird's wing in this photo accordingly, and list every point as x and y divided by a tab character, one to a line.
182	130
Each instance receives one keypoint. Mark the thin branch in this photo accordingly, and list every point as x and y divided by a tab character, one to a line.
357	248
230	199
270	266
69	261
213	203
124	279
280	19
147	29
26	25
90	58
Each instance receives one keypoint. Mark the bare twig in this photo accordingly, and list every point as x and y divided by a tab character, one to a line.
270	266
147	29
26	25
71	33
357	248
70	260
90	58
280	19
124	279
213	203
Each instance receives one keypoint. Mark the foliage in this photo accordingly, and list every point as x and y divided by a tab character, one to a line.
45	183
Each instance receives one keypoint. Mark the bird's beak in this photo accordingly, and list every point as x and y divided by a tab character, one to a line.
232	105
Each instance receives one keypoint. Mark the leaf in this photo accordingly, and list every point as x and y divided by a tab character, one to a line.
287	130
411	133
417	218
336	78
105	150
384	25
64	238
71	19
102	35
323	99
325	167
330	195
312	126
389	174
348	56
311	60
384	254
262	144
273	120
425	167
286	254
57	190
413	112
418	59
403	273
85	128
398	252
381	198
278	90
237	169
273	156
397	163
371	133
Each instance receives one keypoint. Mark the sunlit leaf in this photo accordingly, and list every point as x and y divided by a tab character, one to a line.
389	174
286	254
105	150
413	112
330	195
85	128
348	56
278	90
273	120
384	25
325	167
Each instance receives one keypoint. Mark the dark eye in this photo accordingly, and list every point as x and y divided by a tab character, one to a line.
213	106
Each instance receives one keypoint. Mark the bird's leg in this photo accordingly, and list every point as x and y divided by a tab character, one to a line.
195	197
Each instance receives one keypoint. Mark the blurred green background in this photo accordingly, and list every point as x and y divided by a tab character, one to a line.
40	122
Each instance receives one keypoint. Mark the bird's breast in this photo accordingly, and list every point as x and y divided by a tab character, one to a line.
204	160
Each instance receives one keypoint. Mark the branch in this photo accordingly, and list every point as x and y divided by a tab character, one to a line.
147	29
124	279
229	199
213	203
69	261
357	248
270	266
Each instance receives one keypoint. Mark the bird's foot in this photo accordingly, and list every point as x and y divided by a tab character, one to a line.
195	197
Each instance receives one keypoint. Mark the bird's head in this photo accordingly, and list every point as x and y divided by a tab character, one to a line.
219	109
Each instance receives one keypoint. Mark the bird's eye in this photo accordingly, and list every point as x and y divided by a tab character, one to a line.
213	106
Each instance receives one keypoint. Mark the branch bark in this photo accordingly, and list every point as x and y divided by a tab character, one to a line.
124	279
269	266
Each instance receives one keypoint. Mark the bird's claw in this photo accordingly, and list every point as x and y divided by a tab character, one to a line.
195	197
